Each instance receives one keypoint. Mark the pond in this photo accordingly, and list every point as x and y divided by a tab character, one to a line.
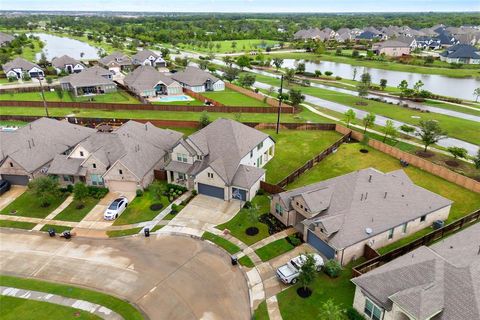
56	46
446	86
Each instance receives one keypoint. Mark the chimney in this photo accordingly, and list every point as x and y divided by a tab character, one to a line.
370	178
146	127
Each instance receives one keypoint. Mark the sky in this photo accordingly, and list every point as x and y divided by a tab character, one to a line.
244	5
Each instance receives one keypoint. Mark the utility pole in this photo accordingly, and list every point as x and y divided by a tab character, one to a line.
43	97
280	93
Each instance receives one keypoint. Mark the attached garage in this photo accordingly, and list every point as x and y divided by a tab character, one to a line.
21	180
122	186
211	191
239	194
320	245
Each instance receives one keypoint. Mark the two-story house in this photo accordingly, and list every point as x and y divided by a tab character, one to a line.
223	160
116	62
148	58
67	64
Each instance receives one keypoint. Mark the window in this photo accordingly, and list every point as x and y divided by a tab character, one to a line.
181	176
259	161
94	165
423	218
372	311
270	151
120	171
97	180
279	209
251	153
81	153
68	178
11	164
390	233
260	145
404	230
210	175
182	157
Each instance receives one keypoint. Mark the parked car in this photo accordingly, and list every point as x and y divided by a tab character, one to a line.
115	208
288	273
4	186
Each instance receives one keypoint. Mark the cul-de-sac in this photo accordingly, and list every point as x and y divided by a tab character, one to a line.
250	160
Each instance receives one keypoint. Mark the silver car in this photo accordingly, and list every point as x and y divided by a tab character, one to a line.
115	208
288	273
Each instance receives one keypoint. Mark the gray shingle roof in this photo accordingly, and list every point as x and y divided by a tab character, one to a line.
62	165
118	58
146	78
444	277
193	76
391	44
368	199
61	62
144	55
89	77
462	51
4	38
246	176
19	63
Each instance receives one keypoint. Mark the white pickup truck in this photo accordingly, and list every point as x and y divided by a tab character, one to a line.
288	273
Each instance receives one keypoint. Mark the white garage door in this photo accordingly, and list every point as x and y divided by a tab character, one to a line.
125	186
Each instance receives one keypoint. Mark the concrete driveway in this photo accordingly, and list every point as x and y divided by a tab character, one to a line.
168	277
12	194
204	211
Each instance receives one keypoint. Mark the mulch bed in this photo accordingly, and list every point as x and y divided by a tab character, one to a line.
452	163
156	206
361	103
424	154
304	293
251	231
363	150
273	224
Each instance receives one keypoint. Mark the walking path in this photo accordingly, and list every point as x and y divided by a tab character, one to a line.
96	309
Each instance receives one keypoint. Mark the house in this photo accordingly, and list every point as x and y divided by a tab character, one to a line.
198	80
223	160
5	38
368	35
67	64
122	160
440	282
27	152
426	42
339	216
446	40
147	82
461	53
408	40
94	80
19	67
391	48
116	62
148	58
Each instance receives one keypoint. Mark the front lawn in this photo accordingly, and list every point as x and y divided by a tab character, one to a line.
274	249
17	224
294	148
234	98
261	313
221	242
122	307
238	224
58	229
123	233
18	308
28	205
246	262
71	213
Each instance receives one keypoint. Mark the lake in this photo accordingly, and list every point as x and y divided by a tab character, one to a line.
442	85
56	46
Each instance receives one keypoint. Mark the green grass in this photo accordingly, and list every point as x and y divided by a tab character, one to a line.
180	103
240	222
157	227
64	96
170	216
122	307
17	224
444	105
139	209
18	308
294	148
28	205
246	262
340	290
58	228
261	313
111	97
71	213
221	242
231	97
123	233
12	123
274	249
226	46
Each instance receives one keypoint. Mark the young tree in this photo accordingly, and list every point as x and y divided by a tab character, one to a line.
253	213
383	83
228	60
476	160
349	116
218	46
330	311
204	119
355	53
368	121
45	189
476	93
203	64
231	73
234	45
407	129
458	152
289	75
403	86
307	272
300	68
366	79
362	90
243	62
389	130
417	86
318	73
277	62
430	132
354	73
80	192
295	97
43	62
246	79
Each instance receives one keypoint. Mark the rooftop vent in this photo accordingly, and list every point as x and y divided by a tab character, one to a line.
370	178
368	230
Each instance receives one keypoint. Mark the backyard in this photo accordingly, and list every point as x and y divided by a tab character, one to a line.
234	98
28	205
64	96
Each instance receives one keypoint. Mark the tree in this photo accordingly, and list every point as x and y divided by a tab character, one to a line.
349	116
247	79
430	132
289	75
458	152
368	121
403	86
355	53
318	73
354	73
389	130
417	86
300	68
231	73
243	62
308	271
476	160
234	45
165	52
295	97
45	188
277	62
203	64
204	119
407	129
228	60
476	93
43	62
383	83
366	79
80	192
330	311
253	213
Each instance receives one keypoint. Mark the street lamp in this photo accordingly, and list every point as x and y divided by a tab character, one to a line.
40	78
280	92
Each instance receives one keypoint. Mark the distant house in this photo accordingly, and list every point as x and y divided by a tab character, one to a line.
148	58
426	42
461	53
147	82
94	80
198	80
340	216
116	62
19	67
409	40
391	48
5	38
447	40
223	160
440	282
67	64
368	35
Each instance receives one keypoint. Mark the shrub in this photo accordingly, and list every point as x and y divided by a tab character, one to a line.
353	314
139	192
328	73
69	188
174	209
294	240
247	205
338	78
332	268
97	192
261	192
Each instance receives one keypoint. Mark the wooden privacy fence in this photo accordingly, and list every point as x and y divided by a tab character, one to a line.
202	98
46	87
423	241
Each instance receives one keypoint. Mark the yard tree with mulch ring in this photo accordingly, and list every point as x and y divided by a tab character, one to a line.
456	152
80	194
349	116
45	189
306	276
253	215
